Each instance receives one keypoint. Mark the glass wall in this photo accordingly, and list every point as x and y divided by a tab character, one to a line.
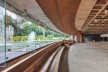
22	36
2	36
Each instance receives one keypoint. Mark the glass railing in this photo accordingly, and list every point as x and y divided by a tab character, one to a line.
15	49
19	36
2	33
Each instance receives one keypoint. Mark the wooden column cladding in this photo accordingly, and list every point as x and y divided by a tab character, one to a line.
62	13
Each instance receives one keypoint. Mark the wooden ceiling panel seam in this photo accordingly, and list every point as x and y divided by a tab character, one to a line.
46	11
71	23
103	7
68	27
83	11
60	16
101	23
57	7
32	9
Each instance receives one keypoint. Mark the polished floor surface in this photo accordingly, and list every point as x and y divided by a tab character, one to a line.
88	57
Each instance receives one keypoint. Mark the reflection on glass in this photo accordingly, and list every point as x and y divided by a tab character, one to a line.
2	36
23	36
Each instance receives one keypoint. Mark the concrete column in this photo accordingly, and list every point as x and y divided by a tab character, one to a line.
79	37
75	38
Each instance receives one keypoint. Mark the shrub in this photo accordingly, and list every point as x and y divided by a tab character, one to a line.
24	38
16	38
49	37
40	37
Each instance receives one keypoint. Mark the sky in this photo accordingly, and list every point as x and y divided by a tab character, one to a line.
14	16
2	10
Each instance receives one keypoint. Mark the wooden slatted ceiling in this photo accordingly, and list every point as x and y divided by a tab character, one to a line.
61	13
97	21
83	12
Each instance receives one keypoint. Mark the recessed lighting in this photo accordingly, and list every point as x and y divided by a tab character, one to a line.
106	11
95	20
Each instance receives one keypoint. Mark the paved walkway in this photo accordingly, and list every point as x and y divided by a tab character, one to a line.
19	52
15	54
88	57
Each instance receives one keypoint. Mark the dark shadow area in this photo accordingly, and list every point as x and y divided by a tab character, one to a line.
92	37
63	66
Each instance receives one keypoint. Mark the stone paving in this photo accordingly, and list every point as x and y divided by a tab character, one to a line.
88	57
16	53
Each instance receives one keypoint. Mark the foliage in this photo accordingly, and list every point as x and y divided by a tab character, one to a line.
40	37
28	28
49	37
16	38
14	24
8	20
22	33
24	38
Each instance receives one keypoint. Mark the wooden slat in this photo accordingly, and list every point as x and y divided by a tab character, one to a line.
27	62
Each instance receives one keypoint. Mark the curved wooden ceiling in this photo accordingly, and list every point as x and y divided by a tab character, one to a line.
61	13
83	12
73	16
97	21
69	16
33	12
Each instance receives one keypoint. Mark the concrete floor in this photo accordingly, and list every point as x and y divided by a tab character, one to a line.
88	57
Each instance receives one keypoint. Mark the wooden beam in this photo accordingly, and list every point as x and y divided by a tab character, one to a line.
86	24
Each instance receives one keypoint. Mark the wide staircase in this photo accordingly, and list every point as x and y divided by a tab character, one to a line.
50	58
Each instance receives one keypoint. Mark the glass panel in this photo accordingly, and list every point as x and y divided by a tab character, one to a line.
2	34
19	36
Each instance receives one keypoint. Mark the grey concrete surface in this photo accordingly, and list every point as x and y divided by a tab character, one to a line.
19	52
88	57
